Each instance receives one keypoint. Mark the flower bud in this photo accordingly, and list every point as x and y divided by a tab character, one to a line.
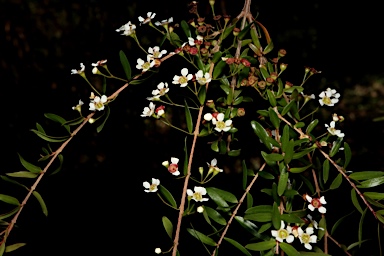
236	31
282	53
165	164
240	112
157	250
262	84
212	2
210	104
200	209
283	66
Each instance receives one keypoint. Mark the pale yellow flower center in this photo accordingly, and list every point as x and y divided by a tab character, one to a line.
183	80
146	66
305	238
197	196
98	105
220	124
327	100
283	233
152	187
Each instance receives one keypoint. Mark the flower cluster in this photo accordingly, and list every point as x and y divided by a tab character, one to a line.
329	97
218	120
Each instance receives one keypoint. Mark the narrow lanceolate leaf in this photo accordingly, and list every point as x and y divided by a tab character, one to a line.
41	202
287	107
23	174
245	173
50	138
261	133
311	126
9	214
61	159
125	63
299	169
336	182
218	69
274	118
272	98
5	178
9	199
355	201
250	227
216	198
347	154
215	215
276	217
101	126
30	167
336	146
186	159
325	170
285	138
238	246
249	200
289	249
2	248
374	195
185	27
202	95
13	247
361	223
273	157
168	196
227	196
339	222
40	128
289	151
371	183
323	226
200	236
283	180
188	118
261	246
55	118
366	175
167	226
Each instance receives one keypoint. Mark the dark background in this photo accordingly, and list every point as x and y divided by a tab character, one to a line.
97	204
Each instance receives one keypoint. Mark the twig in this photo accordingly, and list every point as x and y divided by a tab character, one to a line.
333	240
236	209
182	203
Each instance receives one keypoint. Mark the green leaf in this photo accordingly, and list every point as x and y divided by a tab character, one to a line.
285	138
101	126
188	117
274	118
30	167
227	196
261	246
374	195
41	202
185	27
9	214
249	200
288	107
5	178
259	217
325	170
289	249
291	218
307	183
361	224
289	151
323	226
61	159
299	169
216	56
311	126
336	182
217	198
50	138
336	146
40	128
272	99
276	217
167	226
215	216
261	133
218	69
238	246
259	208
339	222
23	174
273	157
14	247
9	199
215	146
55	118
200	236
222	147
265	227
186	159
355	201
245	173
202	95
168	196
2	248
250	227
125	63
234	152
228	31
268	48
351	246
366	175
302	153
371	183
283	179
347	154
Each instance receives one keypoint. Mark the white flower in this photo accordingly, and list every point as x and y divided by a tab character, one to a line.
332	130
80	71
150	16
198	194
220	124
155	52
164	22
208	117
306	237
98	103
183	79
200	209
192	41
78	106
282	233
316	203
329	97
173	168
213	168
127	29
148	111
157	250
141	64
151	187
313	222
99	63
202	78
162	89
